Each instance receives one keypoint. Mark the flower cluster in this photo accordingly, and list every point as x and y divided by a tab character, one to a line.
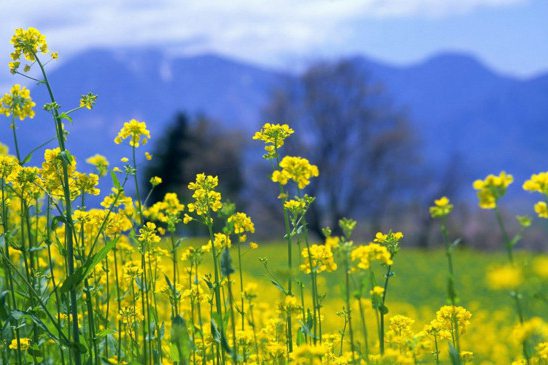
136	131
504	277
317	259
441	208
17	103
206	199
241	224
27	43
365	255
297	169
448	315
100	163
492	188
274	136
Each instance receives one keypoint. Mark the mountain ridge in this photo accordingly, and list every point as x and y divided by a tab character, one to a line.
456	104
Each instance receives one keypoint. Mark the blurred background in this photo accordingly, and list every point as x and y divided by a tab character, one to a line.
397	101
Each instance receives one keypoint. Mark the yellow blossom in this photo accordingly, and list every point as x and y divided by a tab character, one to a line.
441	208
297	169
100	162
17	103
491	189
505	277
273	135
136	131
24	344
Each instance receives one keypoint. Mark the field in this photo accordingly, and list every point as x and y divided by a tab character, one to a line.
117	284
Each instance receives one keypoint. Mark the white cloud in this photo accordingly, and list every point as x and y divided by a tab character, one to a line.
254	29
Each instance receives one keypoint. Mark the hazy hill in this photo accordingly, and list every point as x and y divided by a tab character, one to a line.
456	104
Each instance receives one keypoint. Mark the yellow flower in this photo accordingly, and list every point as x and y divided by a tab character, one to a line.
290	303
491	189
377	291
534	327
100	162
273	135
136	131
504	277
148	156
147	233
206	199
366	254
441	208
155	180
297	169
253	245
449	314
540	266
24	343
4	150
17	103
27	43
242	223
541	209
88	101
319	259
399	330
537	183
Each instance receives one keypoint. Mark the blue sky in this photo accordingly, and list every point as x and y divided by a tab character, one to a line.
510	36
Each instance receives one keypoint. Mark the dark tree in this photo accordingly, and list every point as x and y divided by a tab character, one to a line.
171	154
347	126
192	146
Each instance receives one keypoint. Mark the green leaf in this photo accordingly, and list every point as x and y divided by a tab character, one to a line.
181	339
279	286
65	116
83	271
115	180
3	305
29	155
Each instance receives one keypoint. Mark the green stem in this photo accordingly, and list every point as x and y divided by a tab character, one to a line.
68	216
382	310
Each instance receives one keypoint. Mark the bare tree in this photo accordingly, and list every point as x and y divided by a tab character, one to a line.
362	145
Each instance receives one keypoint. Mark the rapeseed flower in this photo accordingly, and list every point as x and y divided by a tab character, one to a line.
135	130
492	188
274	136
17	103
441	208
297	169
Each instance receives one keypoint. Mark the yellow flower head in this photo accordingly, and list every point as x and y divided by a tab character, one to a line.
27	43
441	208
365	255
148	233
206	199
241	224
17	103
491	189
317	259
505	277
537	183
273	135
541	209
448	315
297	169
390	240
88	101
155	180
24	342
100	162
4	150
136	131
377	291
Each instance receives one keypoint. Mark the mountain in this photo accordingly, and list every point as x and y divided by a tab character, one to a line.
456	104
